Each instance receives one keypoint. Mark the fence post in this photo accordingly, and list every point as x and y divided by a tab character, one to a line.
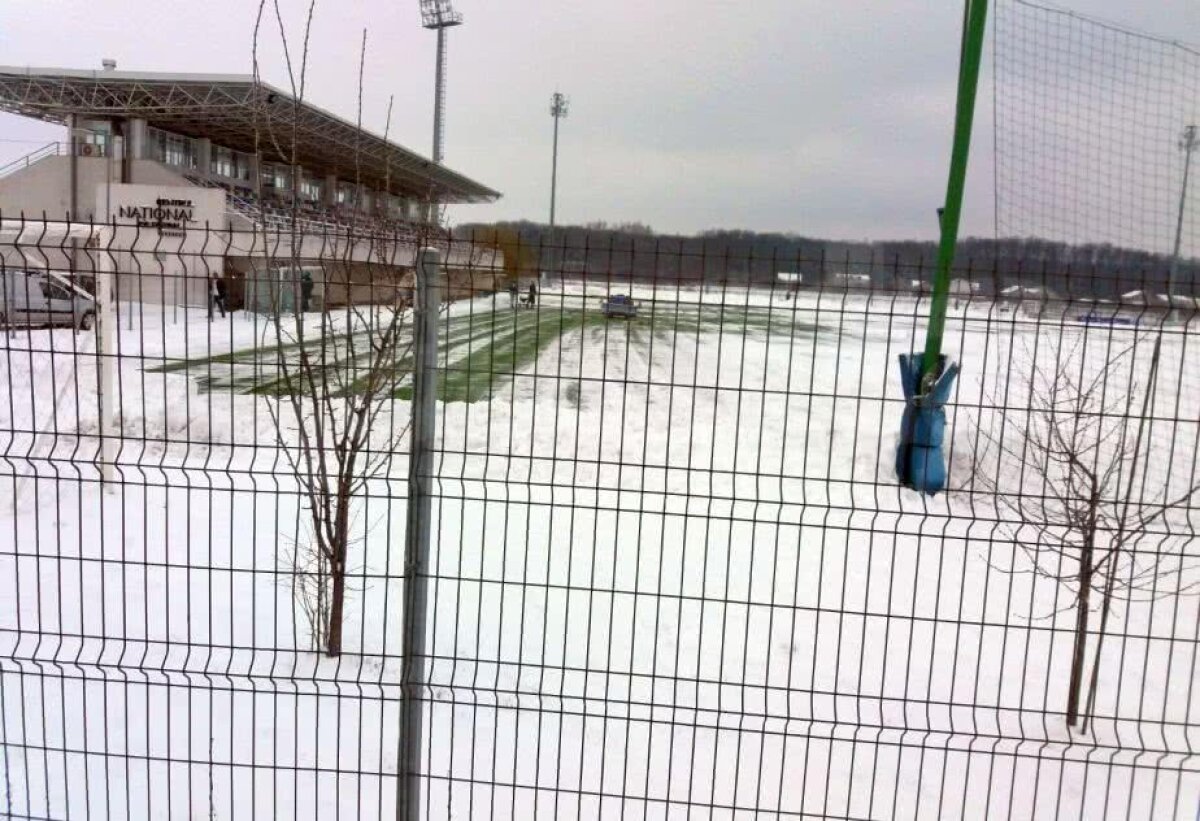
416	547
106	357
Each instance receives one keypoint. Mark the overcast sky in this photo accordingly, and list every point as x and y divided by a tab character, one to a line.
820	117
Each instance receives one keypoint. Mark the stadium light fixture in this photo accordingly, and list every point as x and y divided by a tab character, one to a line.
439	15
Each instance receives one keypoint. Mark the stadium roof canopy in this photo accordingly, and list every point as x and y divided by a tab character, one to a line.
236	111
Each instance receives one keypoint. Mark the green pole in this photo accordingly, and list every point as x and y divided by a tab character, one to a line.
975	21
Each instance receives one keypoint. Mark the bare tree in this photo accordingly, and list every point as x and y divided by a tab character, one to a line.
1068	474
332	404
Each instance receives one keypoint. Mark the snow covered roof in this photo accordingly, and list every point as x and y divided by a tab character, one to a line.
1026	292
1144	297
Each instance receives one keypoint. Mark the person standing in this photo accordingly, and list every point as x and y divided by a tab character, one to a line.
532	294
306	289
216	295
222	295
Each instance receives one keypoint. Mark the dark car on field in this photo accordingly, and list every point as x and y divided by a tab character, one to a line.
619	306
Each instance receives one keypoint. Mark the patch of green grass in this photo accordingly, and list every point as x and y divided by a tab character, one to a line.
477	375
482	351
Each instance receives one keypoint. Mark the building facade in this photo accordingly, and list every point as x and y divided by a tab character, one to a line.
202	176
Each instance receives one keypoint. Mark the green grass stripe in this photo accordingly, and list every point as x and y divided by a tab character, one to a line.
480	351
484	369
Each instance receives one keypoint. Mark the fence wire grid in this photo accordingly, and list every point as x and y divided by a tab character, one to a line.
669	570
360	519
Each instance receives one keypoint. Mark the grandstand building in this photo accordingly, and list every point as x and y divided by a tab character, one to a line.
208	175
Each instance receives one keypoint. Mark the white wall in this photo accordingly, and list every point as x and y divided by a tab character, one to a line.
168	242
44	188
150	172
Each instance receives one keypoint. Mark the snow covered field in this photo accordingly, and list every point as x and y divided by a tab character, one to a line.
673	577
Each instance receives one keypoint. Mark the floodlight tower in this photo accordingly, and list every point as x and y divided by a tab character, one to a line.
439	15
1189	141
558	110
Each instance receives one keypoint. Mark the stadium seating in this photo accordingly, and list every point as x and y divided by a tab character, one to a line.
310	216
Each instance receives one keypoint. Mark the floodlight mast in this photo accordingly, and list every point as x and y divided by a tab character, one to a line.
439	15
1189	141
558	110
559	104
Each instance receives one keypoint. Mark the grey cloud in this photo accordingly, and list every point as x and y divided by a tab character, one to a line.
827	117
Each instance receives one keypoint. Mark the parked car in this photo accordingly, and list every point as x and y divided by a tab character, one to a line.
621	306
36	298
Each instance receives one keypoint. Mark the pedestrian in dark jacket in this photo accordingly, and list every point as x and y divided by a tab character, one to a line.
216	295
306	289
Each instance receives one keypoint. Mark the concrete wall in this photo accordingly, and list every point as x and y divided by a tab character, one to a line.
44	188
149	172
171	262
356	283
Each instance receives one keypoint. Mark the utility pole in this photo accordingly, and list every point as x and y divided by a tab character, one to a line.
559	105
1189	141
439	15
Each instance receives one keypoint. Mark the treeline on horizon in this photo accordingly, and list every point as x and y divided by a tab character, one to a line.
635	251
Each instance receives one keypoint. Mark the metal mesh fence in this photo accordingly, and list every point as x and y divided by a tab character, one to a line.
1090	119
669	574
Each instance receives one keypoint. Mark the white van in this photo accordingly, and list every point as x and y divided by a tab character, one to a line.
37	298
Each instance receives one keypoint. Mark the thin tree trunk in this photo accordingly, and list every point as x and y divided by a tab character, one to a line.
337	571
336	607
1082	611
1094	679
1106	596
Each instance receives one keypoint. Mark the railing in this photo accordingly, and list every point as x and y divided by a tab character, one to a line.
53	149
